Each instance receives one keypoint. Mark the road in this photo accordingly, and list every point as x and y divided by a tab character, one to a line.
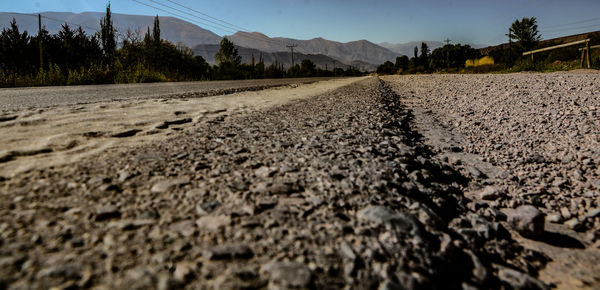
14	99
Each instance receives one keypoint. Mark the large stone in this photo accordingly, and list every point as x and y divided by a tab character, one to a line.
527	220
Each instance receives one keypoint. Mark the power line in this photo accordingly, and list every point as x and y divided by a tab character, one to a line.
571	23
228	29
231	26
180	16
570	28
199	12
249	35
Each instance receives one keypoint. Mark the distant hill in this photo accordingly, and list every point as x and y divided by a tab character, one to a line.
208	51
361	50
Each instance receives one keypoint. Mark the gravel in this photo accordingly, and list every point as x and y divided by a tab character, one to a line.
331	192
543	129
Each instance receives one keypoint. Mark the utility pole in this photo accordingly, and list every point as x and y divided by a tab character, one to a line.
40	40
447	53
291	47
334	61
510	46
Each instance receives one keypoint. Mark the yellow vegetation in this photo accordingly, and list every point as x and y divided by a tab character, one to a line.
486	60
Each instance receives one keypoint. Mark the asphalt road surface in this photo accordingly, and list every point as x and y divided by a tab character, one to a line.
15	99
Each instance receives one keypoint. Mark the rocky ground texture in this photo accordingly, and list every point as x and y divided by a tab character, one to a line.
335	191
540	131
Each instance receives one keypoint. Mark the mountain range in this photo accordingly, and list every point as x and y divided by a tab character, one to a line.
361	54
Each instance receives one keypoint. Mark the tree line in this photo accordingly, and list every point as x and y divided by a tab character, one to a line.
450	56
523	36
72	57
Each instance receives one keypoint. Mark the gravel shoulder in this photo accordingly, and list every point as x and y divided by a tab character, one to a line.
534	140
332	191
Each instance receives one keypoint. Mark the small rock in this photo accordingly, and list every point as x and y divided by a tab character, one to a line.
130	224
289	274
593	213
227	252
207	207
574	224
184	271
62	271
265	171
519	280
213	223
165	185
527	220
383	215
389	285
491	193
566	214
554	218
185	228
475	172
107	212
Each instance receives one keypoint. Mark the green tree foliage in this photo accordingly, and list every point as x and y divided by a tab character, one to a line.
308	68
107	36
401	63
525	31
452	55
227	53
156	31
386	68
424	58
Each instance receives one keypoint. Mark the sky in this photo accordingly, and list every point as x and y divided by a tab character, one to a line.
394	21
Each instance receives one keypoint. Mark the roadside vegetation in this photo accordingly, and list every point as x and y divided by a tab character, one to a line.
71	57
457	58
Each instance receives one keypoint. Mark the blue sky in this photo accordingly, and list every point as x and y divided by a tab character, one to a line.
462	21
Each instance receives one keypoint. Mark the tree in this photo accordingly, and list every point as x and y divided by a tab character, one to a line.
227	53
107	37
452	55
525	31
156	31
386	68
424	55
401	63
308	68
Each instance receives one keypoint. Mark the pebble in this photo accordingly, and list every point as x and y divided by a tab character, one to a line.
228	252
165	185
527	220
574	224
213	223
107	212
491	193
289	274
